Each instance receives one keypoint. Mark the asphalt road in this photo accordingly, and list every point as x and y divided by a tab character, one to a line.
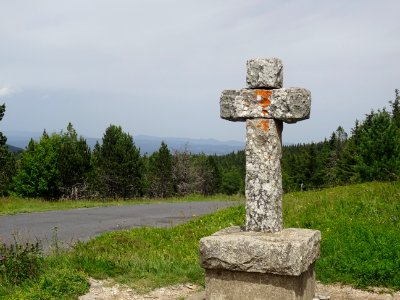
85	223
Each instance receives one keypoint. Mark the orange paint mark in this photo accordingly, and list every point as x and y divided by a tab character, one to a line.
263	98
263	125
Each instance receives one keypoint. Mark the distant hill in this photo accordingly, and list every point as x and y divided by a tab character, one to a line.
147	144
150	144
20	139
14	149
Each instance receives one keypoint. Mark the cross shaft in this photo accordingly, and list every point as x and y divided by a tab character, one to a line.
264	105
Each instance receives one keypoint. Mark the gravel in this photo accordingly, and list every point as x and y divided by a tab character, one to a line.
107	290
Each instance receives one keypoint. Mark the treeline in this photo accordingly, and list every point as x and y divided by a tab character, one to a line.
62	165
371	152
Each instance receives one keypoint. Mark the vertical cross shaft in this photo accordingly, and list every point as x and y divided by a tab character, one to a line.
264	106
263	175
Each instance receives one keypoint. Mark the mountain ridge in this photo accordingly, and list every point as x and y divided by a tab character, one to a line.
147	143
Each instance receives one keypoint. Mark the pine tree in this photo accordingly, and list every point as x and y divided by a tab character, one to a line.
311	166
232	172
3	139
337	143
396	108
160	178
346	166
118	168
7	161
73	164
231	182
378	149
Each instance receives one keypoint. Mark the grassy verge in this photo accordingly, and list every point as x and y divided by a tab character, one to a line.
142	258
13	205
57	279
360	227
146	258
361	245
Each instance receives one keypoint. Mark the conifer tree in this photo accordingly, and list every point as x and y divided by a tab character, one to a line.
73	164
3	139
160	178
231	182
7	161
346	166
118	167
396	108
378	151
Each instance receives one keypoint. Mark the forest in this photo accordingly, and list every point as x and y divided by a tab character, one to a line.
62	165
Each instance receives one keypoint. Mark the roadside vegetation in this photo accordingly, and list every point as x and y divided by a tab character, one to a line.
360	227
61	165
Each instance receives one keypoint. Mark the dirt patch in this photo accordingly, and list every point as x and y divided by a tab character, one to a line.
344	292
106	290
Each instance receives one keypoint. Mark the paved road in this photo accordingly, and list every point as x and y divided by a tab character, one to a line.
85	223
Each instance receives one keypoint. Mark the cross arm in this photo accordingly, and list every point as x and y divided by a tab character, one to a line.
286	104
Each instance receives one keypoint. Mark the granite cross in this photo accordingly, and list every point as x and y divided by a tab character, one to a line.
264	105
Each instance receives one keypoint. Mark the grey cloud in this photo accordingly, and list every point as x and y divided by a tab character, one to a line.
157	67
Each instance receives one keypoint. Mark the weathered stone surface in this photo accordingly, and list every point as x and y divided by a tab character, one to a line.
288	252
287	104
264	73
263	175
225	284
262	261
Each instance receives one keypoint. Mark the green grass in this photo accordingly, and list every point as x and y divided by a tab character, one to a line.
360	245
360	227
146	258
59	280
13	205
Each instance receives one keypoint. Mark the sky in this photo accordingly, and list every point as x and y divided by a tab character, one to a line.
158	67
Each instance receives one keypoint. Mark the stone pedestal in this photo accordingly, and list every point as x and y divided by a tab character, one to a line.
265	261
231	285
259	265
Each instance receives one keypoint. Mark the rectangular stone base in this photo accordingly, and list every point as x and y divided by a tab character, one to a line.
260	265
233	285
287	252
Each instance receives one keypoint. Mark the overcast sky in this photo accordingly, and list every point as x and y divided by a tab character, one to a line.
157	67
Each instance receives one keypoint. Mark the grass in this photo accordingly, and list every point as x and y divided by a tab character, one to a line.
12	205
147	258
143	258
58	280
360	227
360	246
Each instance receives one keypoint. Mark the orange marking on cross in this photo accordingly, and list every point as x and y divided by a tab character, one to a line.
263	97
263	125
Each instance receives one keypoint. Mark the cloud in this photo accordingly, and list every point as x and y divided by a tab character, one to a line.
5	91
158	67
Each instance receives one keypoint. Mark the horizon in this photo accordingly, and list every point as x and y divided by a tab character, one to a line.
26	133
25	136
19	140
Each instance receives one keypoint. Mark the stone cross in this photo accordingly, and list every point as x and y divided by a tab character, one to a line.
264	105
